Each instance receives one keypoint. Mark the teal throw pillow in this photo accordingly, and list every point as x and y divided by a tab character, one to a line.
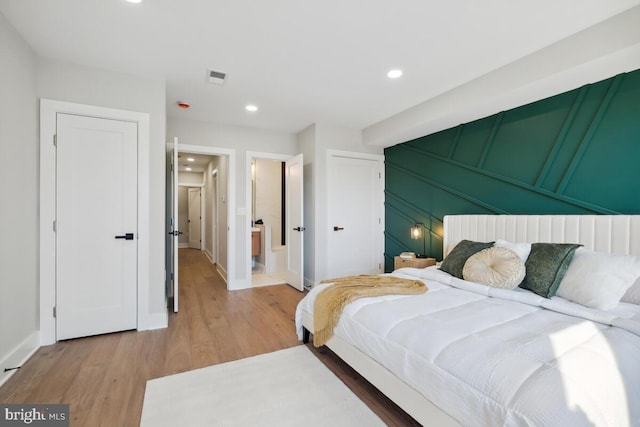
454	262
546	266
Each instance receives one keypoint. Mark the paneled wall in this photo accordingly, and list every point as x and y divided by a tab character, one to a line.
575	153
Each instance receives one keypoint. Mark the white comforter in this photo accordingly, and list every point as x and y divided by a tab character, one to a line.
509	359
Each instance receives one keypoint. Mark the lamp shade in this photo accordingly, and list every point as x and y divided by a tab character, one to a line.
416	232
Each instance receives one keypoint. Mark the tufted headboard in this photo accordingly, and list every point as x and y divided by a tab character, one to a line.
618	234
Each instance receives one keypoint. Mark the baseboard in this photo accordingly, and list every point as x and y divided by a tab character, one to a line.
155	321
209	255
19	355
183	245
222	272
308	283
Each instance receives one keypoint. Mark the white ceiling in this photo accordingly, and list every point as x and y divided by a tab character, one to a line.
301	62
198	164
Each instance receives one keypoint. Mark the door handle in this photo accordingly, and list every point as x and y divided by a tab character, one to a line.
336	228
299	229
175	233
127	236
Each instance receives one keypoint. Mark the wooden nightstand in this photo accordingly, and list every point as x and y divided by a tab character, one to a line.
412	262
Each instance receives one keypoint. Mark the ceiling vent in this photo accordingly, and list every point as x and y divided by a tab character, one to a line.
216	77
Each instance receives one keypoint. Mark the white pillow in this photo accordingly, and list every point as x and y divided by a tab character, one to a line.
598	280
496	267
522	249
633	293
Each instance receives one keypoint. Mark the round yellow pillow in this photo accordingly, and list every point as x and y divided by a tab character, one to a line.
497	267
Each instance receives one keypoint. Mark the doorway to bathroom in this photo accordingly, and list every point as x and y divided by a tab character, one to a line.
269	202
268	240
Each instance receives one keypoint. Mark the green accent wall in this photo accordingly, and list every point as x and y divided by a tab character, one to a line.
574	153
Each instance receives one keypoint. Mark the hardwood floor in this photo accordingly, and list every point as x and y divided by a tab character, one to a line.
103	377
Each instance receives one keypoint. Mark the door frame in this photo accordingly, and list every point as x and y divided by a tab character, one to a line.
214	224
229	275
49	109
251	155
379	158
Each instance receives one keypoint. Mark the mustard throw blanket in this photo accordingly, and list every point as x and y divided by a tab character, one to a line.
330	302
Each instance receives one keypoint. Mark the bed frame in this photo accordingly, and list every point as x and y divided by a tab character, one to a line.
618	234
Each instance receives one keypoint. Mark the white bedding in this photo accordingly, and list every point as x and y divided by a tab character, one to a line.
490	361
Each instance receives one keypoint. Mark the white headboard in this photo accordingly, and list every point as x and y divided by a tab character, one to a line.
619	234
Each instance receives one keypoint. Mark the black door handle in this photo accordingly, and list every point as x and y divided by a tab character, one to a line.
175	233
299	229
128	236
336	228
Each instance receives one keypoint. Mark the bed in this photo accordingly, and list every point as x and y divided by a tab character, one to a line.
468	354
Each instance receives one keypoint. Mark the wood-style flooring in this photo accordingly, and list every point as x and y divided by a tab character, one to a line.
103	377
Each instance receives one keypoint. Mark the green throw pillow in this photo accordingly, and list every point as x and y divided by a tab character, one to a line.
546	266
454	262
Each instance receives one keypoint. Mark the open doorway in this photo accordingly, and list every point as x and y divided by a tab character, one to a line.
275	203
215	179
268	217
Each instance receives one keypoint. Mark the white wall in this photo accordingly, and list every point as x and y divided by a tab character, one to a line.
183	215
306	145
222	164
191	178
193	132
314	142
18	215
211	199
85	85
268	185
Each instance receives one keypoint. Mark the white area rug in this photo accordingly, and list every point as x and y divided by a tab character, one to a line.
285	388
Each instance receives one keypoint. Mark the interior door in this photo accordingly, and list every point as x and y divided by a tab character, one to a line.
195	218
355	216
96	226
174	232
294	222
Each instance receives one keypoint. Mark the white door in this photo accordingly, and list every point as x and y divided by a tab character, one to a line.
294	224
96	226
174	232
195	218
355	198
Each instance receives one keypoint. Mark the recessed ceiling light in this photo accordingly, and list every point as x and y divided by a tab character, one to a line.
394	74
187	168
251	108
134	1
191	159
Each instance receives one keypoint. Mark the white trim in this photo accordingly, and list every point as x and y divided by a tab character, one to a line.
231	205
251	155
203	221
183	246
223	273
19	355
48	113
157	320
209	255
186	184
379	158
215	232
